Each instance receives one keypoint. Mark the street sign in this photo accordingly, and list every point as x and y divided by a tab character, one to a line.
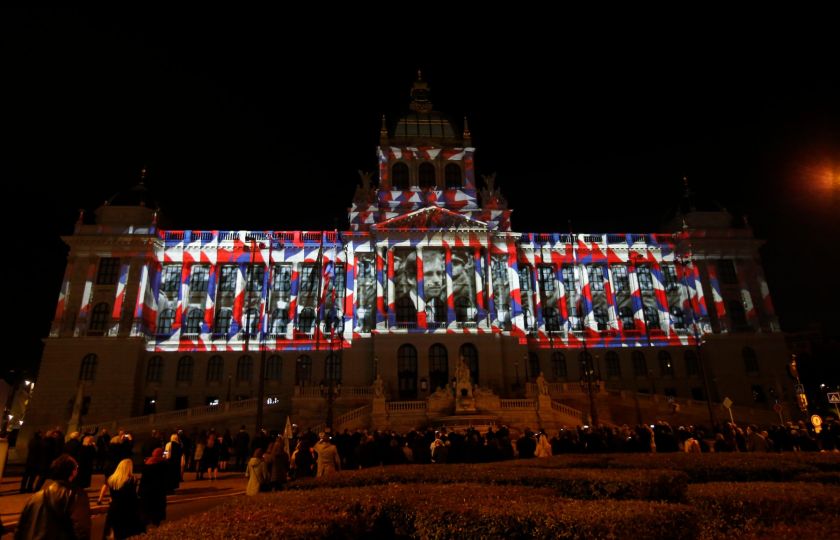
727	403
833	397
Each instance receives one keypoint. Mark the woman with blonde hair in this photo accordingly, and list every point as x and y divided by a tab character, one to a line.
124	512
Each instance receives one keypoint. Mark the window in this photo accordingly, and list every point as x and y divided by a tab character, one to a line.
171	278
620	278
256	275
438	366
227	280
692	367
181	403
651	317
165	320
602	319
547	279
407	372
645	279
308	279
427	175
185	369
223	320
558	365
596	277
154	369
251	321
88	370
669	274
98	319
639	364
470	355
533	366
200	278
750	360
525	278
726	271
697	393
452	173
195	317
283	279
628	321
670	391
108	271
406	313
306	320
552	319
737	314
303	370
399	173
273	368
613	365
677	317
149	405
571	284
333	368
666	365
215	368
244	369
279	321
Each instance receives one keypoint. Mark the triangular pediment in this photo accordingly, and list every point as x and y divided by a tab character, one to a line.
432	218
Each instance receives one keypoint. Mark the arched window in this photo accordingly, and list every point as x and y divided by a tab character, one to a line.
194	318
98	318
452	174
215	368
273	368
303	370
666	365
533	365
185	369
407	371
244	369
470	355
438	366
88	371
223	320
558	365
639	364
306	320
692	366
165	320
613	365
406	312
750	360
399	176
154	369
333	368
427	176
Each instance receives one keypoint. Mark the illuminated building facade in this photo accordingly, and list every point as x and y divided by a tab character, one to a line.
183	324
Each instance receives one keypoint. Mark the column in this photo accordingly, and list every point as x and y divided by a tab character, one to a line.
63	298
450	299
87	297
380	287
392	315
480	307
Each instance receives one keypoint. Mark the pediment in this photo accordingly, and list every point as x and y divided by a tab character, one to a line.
432	218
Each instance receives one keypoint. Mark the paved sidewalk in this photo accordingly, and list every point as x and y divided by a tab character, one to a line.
229	484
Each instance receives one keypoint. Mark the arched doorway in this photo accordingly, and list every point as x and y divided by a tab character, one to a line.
407	371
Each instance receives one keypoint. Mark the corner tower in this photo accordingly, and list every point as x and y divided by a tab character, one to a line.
425	163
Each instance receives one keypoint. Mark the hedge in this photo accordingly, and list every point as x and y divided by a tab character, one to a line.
730	467
432	511
728	508
572	483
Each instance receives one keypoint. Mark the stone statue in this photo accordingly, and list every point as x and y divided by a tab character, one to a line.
542	386
378	387
491	197
463	385
364	193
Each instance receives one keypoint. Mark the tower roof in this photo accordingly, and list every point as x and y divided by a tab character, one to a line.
423	125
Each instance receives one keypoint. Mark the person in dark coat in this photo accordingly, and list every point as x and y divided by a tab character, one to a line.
87	456
34	455
124	512
174	455
153	486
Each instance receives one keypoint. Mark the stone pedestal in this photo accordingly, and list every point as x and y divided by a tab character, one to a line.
379	413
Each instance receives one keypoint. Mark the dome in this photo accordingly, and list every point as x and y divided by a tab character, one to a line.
429	126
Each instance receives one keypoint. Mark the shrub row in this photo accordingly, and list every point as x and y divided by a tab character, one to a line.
735	467
650	484
433	511
729	508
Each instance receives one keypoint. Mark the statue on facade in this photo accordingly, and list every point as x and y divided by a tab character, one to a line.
364	193
542	386
491	197
378	387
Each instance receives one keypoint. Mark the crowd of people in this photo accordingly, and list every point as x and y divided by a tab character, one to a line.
60	470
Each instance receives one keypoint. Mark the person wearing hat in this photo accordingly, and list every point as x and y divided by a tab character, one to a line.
329	462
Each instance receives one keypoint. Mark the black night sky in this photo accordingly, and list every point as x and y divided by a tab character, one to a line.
261	121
